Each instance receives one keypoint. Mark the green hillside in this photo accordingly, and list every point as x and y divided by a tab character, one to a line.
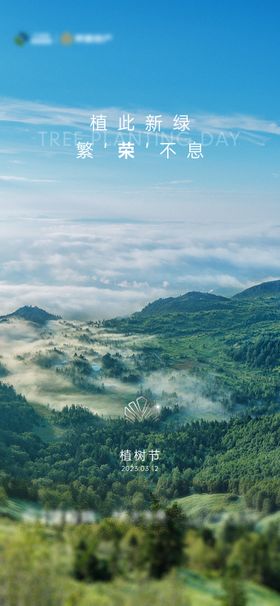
266	289
190	302
232	344
211	507
193	589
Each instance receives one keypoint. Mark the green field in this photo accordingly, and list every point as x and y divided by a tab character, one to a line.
186	588
211	507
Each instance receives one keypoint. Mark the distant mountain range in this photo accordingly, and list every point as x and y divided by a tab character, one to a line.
190	302
199	301
31	314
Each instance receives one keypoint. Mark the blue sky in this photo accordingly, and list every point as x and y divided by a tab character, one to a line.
217	62
215	57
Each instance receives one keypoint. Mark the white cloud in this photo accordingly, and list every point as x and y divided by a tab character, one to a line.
95	269
16	179
217	280
236	122
30	112
179	182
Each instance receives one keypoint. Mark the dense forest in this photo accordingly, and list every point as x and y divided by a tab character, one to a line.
137	558
150	484
81	465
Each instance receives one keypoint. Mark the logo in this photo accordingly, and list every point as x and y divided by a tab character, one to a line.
141	410
66	39
21	39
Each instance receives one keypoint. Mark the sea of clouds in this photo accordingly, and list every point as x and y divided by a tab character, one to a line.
93	269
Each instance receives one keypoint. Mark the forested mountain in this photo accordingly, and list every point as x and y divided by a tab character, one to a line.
266	289
233	344
203	301
31	314
189	302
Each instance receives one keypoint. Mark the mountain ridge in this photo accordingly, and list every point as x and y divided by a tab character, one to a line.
31	313
196	301
191	301
263	289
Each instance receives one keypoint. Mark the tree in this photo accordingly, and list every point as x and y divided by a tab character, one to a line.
165	542
3	496
234	586
87	565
